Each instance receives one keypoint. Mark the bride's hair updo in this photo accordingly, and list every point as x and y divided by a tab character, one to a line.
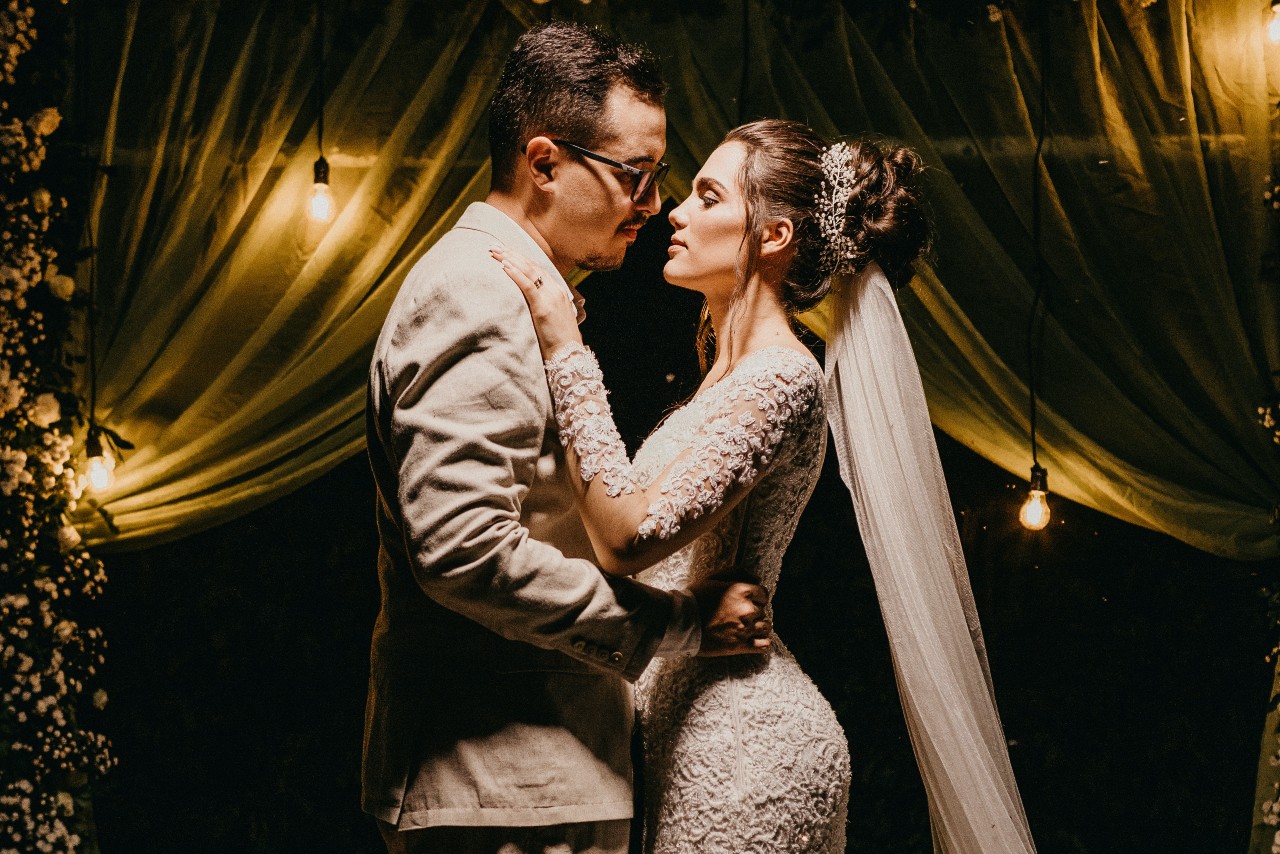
783	177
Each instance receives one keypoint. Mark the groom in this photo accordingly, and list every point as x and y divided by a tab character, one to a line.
499	714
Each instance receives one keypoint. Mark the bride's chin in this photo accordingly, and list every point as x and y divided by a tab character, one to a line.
673	277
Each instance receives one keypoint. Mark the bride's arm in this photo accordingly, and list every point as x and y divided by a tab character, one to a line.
632	527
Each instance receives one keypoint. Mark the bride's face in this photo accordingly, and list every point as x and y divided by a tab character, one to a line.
707	248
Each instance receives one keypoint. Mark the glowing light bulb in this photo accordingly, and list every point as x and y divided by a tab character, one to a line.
1034	514
102	464
101	473
320	203
1273	25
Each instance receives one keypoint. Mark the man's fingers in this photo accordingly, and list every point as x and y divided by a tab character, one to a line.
734	619
753	593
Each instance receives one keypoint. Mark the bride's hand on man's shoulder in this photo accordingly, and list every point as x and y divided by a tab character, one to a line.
556	314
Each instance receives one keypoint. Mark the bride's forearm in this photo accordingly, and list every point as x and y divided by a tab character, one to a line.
629	536
630	527
613	508
612	523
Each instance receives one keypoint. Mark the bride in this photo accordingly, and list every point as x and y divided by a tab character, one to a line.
744	754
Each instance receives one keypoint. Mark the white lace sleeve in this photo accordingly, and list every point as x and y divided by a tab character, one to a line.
585	421
754	413
730	451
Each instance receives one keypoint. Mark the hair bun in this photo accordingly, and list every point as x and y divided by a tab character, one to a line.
884	216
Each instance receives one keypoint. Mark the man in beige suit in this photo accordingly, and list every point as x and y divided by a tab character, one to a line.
499	713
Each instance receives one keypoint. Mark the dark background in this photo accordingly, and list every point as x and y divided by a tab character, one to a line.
1129	667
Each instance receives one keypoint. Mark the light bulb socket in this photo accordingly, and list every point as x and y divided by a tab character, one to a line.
322	171
93	444
1039	476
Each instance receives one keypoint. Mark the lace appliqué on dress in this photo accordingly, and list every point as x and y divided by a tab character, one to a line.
743	755
733	447
585	420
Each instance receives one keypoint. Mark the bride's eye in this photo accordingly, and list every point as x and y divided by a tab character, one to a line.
708	200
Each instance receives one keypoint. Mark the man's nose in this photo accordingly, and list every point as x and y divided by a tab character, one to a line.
650	203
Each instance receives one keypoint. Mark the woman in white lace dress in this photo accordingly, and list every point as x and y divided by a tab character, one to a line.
744	755
741	754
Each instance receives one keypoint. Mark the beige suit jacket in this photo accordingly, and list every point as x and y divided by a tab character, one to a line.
497	692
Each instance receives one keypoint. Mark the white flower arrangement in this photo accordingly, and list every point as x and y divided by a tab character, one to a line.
1269	417
49	657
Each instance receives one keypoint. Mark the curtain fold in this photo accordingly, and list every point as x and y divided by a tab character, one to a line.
237	333
234	336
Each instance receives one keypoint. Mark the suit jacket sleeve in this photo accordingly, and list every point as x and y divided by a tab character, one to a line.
461	408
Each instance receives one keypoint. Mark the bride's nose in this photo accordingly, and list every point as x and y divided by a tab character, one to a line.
677	216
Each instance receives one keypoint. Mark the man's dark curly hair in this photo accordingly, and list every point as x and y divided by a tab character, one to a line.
555	83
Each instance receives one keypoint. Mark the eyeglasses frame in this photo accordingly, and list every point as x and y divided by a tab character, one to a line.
641	188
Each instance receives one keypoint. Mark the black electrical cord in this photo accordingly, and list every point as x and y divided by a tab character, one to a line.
1035	320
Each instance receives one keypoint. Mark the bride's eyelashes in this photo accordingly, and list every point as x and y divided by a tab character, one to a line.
708	200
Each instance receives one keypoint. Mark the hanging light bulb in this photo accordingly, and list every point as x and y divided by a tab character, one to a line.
320	204
1034	514
102	463
1273	24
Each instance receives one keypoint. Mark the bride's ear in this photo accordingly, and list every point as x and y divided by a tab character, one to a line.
776	238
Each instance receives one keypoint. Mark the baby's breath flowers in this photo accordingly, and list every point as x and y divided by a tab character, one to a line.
1268	417
48	657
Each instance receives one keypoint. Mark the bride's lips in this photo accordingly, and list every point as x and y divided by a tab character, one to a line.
675	244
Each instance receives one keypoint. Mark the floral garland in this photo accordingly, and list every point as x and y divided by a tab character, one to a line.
1269	412
1268	418
47	658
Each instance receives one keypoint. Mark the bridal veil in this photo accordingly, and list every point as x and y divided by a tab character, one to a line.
889	460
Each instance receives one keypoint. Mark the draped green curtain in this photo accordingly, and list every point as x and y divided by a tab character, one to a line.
235	331
234	336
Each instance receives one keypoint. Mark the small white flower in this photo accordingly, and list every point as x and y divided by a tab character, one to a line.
45	411
68	538
11	391
100	699
46	121
62	286
41	200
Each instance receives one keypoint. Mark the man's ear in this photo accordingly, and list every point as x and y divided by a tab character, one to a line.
541	159
776	238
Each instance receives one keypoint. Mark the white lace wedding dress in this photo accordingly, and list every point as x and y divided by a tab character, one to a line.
743	755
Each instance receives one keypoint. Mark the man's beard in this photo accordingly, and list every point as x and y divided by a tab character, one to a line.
610	262
601	262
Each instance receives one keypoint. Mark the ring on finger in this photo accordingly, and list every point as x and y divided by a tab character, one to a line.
537	283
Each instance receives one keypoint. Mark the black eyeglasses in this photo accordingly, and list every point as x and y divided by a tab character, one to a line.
642	179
